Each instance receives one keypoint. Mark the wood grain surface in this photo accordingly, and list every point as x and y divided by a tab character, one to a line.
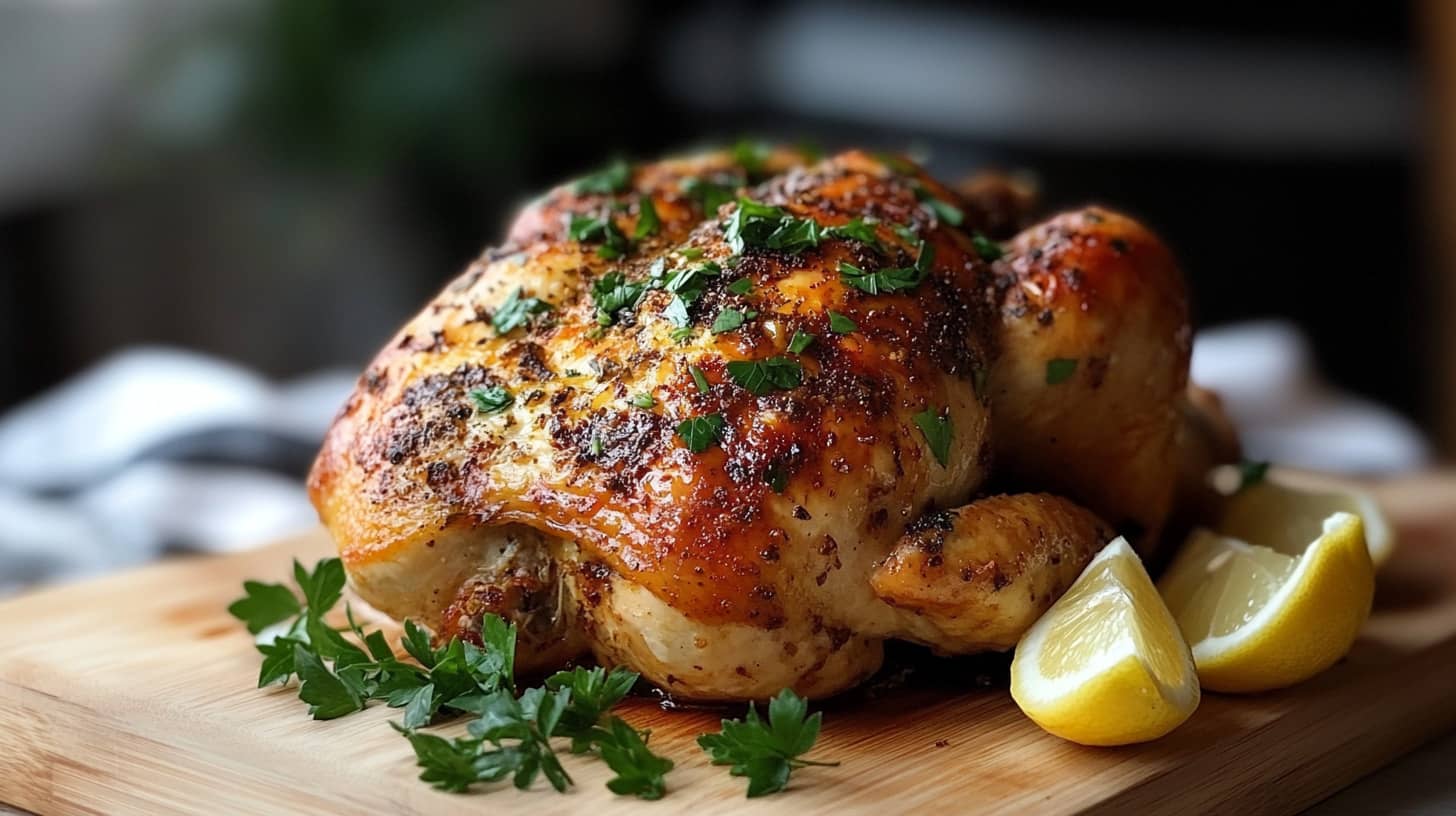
132	694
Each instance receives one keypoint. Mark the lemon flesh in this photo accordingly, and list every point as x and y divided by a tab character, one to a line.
1260	617
1106	665
1286	511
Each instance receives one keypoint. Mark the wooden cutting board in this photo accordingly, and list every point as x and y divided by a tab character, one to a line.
132	694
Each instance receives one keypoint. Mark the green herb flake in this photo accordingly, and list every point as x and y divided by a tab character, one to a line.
648	222
710	194
942	209
1251	473
601	229
800	341
700	379
643	400
841	324
612	293
760	377
750	154
742	286
1060	370
988	250
690	253
516	311
860	229
731	319
613	178
597	446
936	427
702	432
491	400
761	226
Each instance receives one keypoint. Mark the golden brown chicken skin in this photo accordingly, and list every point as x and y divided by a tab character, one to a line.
698	448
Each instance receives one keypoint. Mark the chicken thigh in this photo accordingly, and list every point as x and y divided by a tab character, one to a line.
733	426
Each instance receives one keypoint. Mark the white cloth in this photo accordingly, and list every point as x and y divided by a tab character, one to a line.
87	484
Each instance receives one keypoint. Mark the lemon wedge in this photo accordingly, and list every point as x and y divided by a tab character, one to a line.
1261	618
1106	665
1285	512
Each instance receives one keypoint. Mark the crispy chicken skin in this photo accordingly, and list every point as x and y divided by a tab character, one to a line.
787	552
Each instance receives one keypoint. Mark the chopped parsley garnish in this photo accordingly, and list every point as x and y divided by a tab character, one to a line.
597	446
1060	370
841	324
676	313
643	400
701	432
978	381
612	293
1251	473
742	286
700	379
515	311
731	319
936	427
857	230
690	253
760	377
491	400
800	341
751	154
766	753
613	178
890	279
988	250
777	478
906	234
710	194
688	282
762	226
648	223
682	334
944	210
599	229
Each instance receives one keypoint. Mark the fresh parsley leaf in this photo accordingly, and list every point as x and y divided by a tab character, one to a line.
613	178
761	226
742	286
499	639
515	311
700	379
277	661
710	193
688	283
1251	473
906	233
937	429
600	229
682	334
889	279
677	314
760	377
1060	370
942	209
491	400
841	324
766	753
643	400
596	446
751	154
612	293
859	229
777	478
449	765
648	222
730	319
593	693
988	250
416	641
327	696
701	432
639	771
323	587
264	605
690	253
800	341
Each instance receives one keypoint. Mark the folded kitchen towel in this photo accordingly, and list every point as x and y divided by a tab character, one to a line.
158	450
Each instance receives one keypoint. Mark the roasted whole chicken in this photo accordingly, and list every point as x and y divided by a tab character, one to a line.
735	421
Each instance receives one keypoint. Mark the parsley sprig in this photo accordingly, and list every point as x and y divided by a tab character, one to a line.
890	278
768	752
511	736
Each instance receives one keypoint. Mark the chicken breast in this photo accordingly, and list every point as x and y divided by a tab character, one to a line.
687	429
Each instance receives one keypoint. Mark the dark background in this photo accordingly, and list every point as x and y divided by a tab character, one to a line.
282	183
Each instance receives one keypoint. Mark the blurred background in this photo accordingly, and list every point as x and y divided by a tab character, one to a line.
212	212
